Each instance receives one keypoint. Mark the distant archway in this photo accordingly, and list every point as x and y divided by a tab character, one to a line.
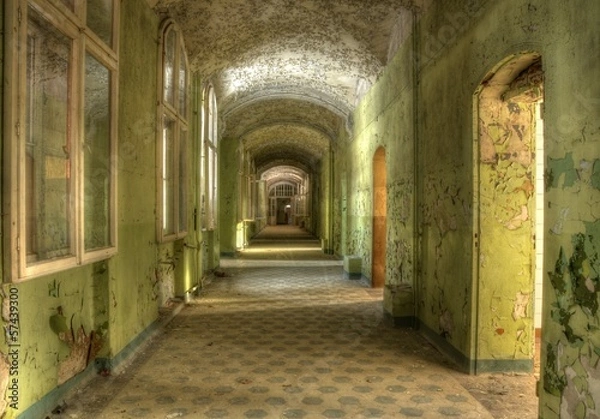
379	219
509	214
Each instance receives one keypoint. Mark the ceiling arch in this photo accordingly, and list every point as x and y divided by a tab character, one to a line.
283	173
245	117
288	74
283	164
290	141
246	46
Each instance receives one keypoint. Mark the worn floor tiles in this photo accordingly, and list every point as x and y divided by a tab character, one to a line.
285	339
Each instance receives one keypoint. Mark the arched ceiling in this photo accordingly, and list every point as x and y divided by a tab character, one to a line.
283	173
289	73
280	141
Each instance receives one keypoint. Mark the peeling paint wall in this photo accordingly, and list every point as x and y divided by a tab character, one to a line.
69	318
323	204
228	194
385	118
135	271
460	43
506	227
58	322
571	332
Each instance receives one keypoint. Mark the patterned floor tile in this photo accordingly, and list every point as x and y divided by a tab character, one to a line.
281	340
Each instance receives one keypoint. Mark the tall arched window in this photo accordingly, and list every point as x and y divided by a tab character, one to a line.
172	141
210	159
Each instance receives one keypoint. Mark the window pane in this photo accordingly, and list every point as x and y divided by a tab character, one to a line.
169	68
99	19
48	164
182	84
212	187
182	181
168	181
212	117
96	151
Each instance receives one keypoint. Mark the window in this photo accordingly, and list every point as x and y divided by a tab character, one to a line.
173	134
209	197
61	134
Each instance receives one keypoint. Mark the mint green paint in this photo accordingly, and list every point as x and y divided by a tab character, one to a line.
572	216
505	328
117	299
595	179
324	203
576	287
41	351
453	59
132	298
341	194
562	171
384	118
228	194
457	46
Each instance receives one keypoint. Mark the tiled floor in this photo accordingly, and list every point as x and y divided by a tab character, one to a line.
281	339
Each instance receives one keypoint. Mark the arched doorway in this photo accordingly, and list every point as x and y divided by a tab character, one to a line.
379	219
508	219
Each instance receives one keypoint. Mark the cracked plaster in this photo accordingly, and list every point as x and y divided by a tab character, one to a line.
506	205
298	64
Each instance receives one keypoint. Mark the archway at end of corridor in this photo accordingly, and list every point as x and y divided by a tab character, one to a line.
379	219
508	218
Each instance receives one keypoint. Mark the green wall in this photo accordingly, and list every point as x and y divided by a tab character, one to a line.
384	118
458	46
134	281
425	122
229	222
109	305
323	204
340	194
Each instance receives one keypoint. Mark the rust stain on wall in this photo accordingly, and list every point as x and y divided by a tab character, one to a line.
83	347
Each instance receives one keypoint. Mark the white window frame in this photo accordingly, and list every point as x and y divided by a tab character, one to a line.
70	23
210	140
172	112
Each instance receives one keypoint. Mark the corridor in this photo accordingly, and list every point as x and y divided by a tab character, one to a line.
281	334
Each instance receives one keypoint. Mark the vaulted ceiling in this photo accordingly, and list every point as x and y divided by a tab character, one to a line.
289	73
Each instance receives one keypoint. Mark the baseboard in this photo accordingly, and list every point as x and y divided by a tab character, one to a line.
115	364
474	366
400	321
43	407
463	363
355	276
503	365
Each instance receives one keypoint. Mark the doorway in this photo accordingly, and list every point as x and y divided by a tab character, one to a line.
284	211
379	219
508	222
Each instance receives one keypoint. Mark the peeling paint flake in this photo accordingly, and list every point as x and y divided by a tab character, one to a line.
518	220
520	306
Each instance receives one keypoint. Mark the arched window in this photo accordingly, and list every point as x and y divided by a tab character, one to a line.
172	141
210	168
